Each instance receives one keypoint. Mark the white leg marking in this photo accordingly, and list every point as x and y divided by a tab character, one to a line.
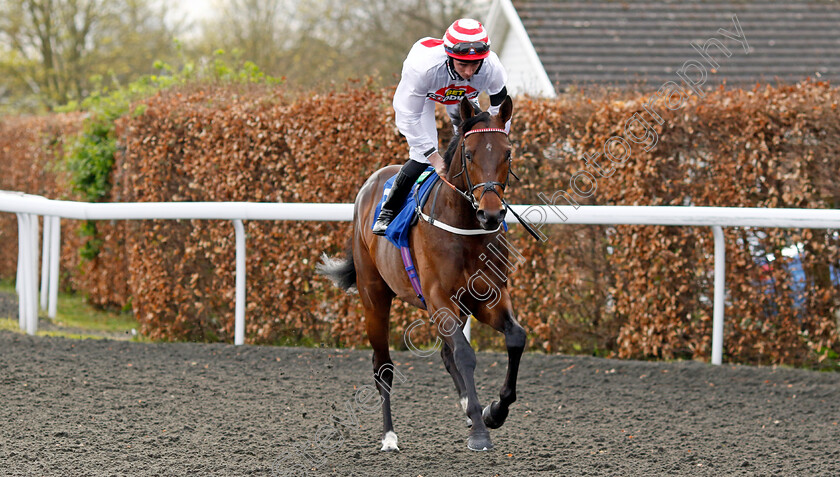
464	407
389	443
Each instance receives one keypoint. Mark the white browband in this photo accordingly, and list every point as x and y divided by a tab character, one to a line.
482	130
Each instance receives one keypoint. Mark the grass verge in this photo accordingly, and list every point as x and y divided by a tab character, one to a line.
80	319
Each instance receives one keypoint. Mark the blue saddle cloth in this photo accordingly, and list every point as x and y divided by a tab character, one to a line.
397	232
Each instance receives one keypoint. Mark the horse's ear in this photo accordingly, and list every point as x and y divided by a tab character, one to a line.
506	110
467	110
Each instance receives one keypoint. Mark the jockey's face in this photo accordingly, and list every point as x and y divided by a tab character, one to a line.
465	69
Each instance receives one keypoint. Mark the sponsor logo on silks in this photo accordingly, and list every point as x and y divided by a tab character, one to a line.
452	94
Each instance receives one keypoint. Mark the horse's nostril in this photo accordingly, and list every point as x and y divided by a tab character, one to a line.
481	215
502	214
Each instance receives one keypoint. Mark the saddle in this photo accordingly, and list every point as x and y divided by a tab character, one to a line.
398	232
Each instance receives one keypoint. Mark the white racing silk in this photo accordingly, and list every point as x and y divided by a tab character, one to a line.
426	79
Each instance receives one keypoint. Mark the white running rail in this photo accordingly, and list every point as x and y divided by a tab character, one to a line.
29	207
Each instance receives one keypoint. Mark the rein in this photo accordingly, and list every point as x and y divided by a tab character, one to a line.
487	186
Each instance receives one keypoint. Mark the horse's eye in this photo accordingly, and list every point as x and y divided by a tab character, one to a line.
507	155
469	156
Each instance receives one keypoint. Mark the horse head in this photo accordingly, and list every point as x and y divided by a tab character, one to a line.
485	162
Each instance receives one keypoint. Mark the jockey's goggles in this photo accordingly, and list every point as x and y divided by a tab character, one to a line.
469	48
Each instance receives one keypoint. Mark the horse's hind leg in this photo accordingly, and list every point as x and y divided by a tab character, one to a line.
376	299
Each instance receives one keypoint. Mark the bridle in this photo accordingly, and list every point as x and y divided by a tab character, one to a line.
488	185
484	186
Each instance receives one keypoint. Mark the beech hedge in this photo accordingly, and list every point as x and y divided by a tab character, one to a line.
626	291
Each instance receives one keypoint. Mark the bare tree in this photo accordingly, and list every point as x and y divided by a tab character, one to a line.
254	30
57	50
326	40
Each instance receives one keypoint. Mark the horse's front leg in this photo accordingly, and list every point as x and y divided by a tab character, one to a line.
448	327
449	361
501	318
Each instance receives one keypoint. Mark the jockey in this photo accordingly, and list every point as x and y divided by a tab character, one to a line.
439	71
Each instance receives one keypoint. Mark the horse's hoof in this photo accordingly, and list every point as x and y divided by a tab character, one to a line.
389	442
480	443
489	420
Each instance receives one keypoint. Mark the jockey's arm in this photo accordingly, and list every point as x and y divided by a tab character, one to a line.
414	115
438	163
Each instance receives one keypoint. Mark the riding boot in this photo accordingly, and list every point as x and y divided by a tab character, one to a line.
396	196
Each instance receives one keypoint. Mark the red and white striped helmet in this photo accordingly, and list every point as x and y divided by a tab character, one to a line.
466	40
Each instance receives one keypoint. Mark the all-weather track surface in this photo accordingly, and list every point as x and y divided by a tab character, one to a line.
91	407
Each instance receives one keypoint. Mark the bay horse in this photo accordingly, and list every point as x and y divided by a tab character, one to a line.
447	264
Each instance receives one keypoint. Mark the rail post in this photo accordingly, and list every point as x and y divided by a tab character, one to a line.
22	276
32	323
720	292
55	258
45	261
239	320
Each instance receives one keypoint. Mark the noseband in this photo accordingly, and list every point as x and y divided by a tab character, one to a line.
484	186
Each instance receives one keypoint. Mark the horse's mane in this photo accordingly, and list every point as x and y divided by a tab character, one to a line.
465	127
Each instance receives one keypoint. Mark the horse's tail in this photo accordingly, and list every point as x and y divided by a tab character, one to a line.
341	272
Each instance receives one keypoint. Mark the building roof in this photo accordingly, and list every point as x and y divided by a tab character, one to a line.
613	42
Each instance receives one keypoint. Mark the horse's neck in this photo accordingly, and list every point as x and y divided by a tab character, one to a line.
455	210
